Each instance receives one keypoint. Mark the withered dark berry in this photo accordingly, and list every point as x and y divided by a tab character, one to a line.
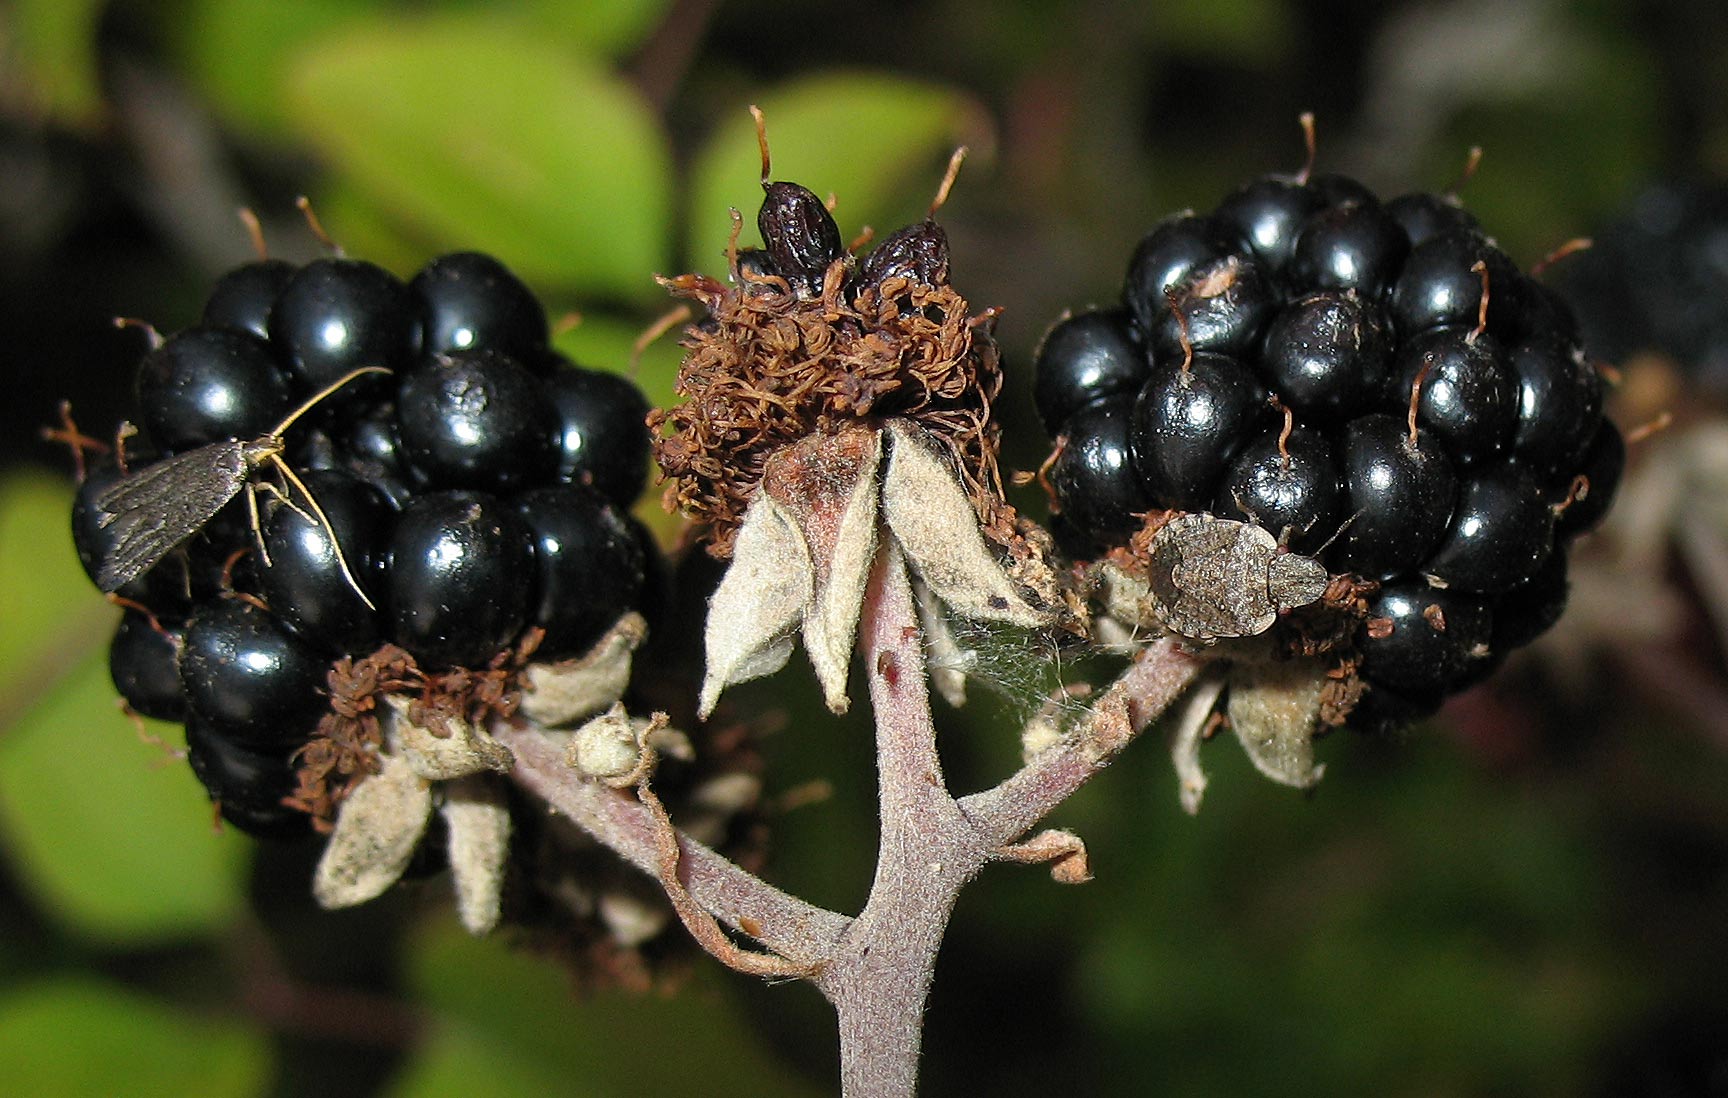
799	234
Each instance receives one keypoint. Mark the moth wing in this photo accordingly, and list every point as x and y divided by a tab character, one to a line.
161	505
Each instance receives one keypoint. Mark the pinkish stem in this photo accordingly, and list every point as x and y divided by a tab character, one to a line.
877	969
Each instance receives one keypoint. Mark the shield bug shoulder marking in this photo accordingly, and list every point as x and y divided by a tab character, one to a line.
156	508
1212	577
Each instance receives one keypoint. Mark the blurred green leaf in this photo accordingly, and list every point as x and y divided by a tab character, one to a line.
877	142
51	610
240	52
77	1038
606	27
53	43
110	833
486	135
457	1061
523	1011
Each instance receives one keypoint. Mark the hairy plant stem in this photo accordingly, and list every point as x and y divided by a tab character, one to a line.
876	969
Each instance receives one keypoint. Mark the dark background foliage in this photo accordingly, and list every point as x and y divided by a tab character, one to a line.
1526	896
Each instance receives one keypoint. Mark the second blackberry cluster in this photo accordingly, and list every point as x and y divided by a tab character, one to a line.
478	490
1375	382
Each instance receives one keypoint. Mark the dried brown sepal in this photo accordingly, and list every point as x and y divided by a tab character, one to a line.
765	369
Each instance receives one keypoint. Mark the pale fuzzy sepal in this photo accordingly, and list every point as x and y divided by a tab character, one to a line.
934	522
759	602
377	828
477	817
1274	708
569	690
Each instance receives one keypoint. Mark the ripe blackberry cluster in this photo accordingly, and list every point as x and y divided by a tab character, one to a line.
477	495
1375	382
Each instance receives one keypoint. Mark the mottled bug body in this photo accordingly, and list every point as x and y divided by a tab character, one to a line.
1211	578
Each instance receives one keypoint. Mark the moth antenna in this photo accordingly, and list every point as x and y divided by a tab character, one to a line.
1309	142
324	521
1480	269
1181	329
254	232
762	142
1571	247
322	394
954	161
304	205
1472	161
1415	399
151	335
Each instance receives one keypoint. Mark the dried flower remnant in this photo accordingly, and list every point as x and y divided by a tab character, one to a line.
827	402
400	743
769	366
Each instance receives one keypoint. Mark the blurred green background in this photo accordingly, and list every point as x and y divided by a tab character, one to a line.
1530	896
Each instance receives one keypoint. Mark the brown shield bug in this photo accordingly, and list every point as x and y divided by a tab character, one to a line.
1212	577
